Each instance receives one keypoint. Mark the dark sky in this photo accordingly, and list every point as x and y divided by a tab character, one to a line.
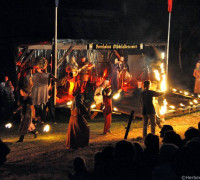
137	20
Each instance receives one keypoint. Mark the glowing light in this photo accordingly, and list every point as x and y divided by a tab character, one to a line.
8	125
93	106
163	83
157	75
172	106
192	95
191	103
195	101
198	95
69	103
46	128
174	90
162	55
186	93
181	91
182	105
115	109
116	96
163	109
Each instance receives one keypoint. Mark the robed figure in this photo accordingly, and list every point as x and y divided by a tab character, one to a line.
78	129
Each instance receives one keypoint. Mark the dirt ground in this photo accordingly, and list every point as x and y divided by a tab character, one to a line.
47	158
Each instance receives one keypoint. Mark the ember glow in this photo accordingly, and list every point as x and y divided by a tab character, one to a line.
191	103
186	93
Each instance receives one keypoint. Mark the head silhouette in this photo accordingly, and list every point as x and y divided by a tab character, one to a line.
164	129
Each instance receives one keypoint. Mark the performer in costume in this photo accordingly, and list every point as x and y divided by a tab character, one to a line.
148	109
40	90
26	117
115	76
196	74
107	111
78	129
98	98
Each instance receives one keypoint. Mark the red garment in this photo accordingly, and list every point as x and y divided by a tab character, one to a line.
78	129
196	74
107	112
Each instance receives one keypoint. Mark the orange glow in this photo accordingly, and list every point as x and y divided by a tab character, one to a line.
105	73
71	88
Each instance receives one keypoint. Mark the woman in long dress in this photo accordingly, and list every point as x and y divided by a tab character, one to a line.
78	129
196	74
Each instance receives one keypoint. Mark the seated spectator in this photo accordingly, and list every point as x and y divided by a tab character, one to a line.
164	170
186	161
150	155
138	151
164	129
173	138
4	151
80	170
191	133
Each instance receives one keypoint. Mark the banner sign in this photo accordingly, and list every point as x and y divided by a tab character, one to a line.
112	46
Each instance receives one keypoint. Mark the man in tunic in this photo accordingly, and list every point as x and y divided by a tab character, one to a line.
148	109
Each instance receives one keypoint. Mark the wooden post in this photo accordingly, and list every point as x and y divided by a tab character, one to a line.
129	125
55	52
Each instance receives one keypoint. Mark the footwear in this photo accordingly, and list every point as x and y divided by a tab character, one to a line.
21	139
35	134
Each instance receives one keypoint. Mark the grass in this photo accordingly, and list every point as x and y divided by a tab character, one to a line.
47	158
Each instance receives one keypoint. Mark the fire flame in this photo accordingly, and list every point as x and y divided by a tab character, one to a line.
163	109
157	74
46	128
8	125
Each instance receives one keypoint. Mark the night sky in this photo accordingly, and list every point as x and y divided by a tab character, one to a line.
25	21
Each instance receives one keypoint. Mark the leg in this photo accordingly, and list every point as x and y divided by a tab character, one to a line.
108	118
145	123
21	139
153	123
98	107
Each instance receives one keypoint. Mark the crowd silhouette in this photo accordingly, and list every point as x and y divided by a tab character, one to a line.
165	157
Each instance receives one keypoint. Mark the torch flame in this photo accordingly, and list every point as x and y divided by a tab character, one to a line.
46	128
8	125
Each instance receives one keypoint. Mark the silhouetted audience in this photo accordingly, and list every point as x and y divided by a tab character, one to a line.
173	138
4	151
130	161
80	170
191	133
164	129
164	169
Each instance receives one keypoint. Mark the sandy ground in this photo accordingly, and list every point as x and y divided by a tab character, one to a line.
47	158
